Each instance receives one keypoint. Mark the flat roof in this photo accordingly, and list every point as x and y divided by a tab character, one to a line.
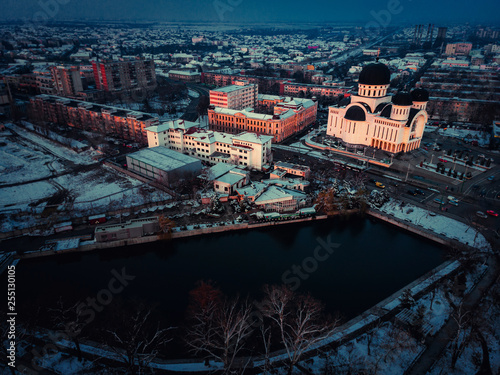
177	124
134	223
163	158
232	88
231	178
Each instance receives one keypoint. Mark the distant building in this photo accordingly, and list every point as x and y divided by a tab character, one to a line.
375	119
192	76
131	229
227	178
125	76
103	119
458	49
238	96
271	198
291	115
293	169
324	91
244	150
67	80
165	165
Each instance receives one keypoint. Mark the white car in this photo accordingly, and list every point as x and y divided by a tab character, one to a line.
481	214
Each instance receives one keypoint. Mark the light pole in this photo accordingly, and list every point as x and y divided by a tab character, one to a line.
407	172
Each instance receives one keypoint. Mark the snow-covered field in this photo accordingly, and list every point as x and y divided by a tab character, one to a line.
20	162
30	157
384	350
193	94
487	322
54	148
439	224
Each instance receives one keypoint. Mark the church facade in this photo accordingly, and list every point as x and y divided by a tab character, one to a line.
394	123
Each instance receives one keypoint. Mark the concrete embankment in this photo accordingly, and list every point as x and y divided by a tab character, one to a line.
153	238
86	246
414	229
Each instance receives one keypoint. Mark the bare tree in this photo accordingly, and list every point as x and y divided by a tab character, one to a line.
463	319
219	326
135	338
206	179
299	320
69	321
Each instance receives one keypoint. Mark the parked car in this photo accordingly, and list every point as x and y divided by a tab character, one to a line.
411	192
481	214
492	213
440	201
420	192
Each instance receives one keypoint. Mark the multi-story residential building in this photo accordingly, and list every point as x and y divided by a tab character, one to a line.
458	49
67	80
192	76
45	82
245	149
319	91
226	77
291	115
319	78
238	96
375	119
462	94
104	119
124	76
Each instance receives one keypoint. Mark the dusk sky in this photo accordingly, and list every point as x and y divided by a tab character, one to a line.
408	11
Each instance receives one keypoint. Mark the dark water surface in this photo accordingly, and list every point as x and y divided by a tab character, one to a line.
373	260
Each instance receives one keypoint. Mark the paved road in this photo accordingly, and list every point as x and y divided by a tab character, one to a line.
449	330
191	114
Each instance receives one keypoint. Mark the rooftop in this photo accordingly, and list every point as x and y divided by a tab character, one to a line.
232	88
177	124
163	158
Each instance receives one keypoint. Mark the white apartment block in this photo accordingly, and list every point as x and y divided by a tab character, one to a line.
241	95
245	149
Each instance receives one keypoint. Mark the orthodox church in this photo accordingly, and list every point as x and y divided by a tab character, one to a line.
394	123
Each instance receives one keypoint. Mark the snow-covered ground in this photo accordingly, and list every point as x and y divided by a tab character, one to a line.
384	350
72	143
439	224
19	162
482	138
193	93
487	321
53	147
33	157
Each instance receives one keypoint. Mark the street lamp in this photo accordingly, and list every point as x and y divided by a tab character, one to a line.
407	172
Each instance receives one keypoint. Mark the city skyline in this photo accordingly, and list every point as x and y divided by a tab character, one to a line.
386	13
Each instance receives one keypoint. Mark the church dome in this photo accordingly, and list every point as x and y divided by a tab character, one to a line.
355	113
402	98
375	74
420	95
